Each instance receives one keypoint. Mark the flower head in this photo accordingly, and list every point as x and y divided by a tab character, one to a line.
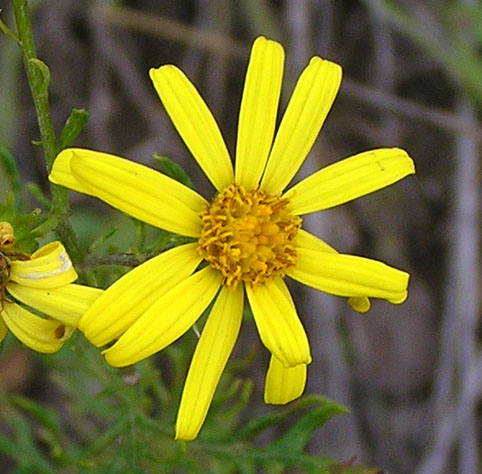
41	281
250	234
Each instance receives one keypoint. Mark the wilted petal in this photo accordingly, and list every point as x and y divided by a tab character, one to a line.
42	335
48	267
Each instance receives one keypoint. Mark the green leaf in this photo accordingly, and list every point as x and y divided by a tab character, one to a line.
300	434
44	71
173	170
73	126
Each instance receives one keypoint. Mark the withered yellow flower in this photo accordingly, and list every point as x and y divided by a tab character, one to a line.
41	281
249	236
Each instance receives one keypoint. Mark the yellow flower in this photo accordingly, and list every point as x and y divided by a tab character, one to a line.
41	281
249	235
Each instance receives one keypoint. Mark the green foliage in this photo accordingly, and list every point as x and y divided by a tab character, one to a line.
28	227
123	421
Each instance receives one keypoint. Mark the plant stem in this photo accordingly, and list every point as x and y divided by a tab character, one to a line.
38	79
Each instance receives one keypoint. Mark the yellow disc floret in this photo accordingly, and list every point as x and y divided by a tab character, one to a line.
248	235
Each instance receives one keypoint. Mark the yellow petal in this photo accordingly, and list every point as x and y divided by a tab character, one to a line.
121	305
306	240
278	325
349	179
167	319
212	352
359	303
259	107
66	304
3	329
42	335
195	123
48	267
349	275
137	190
283	384
309	105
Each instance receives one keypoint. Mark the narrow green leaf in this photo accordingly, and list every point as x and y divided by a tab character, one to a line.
173	170
44	71
300	434
73	126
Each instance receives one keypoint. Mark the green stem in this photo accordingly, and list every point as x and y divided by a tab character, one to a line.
38	77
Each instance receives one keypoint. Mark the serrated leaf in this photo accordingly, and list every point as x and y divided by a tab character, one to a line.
173	170
73	126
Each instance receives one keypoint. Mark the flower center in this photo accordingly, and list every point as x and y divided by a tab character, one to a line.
248	235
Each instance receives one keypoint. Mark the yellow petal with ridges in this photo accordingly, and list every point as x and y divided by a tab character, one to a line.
283	384
66	304
167	319
309	241
194	123
3	329
48	267
279	326
121	305
139	191
349	179
308	107
259	107
349	275
210	357
306	240
42	335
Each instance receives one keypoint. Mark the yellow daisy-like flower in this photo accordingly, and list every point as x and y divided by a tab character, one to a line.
41	281
249	235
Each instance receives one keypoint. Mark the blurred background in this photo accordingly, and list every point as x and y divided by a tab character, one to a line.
410	374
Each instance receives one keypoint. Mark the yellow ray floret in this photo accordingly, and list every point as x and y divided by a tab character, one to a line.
213	349
257	114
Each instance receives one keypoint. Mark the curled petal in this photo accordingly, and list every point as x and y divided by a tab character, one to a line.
66	304
48	267
279	326
349	275
283	384
42	335
212	352
167	319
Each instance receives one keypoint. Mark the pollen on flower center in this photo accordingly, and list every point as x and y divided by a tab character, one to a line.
248	235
